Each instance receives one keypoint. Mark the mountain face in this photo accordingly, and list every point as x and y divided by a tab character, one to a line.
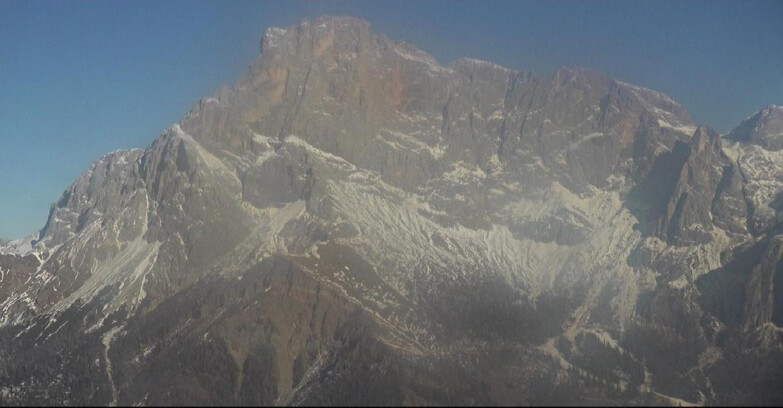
355	223
765	129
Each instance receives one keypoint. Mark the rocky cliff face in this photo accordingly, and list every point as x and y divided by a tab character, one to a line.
355	223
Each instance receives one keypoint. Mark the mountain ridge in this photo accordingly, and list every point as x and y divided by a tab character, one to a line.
352	213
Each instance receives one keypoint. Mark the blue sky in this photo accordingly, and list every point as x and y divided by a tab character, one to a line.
79	79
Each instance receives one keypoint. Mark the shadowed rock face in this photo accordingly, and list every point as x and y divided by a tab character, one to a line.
354	223
690	187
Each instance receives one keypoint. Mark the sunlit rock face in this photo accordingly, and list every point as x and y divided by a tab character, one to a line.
354	223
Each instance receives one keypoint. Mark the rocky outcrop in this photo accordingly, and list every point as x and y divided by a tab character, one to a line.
747	293
690	190
687	217
759	163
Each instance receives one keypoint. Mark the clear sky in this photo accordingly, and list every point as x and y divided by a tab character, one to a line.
79	79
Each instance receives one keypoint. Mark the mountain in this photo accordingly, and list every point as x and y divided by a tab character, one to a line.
765	129
354	223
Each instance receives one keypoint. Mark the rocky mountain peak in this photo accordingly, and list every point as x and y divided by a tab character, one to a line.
705	138
94	193
313	36
339	86
355	223
764	128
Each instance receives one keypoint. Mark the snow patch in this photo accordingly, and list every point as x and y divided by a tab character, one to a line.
688	130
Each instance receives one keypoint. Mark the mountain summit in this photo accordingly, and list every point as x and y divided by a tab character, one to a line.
354	223
765	128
